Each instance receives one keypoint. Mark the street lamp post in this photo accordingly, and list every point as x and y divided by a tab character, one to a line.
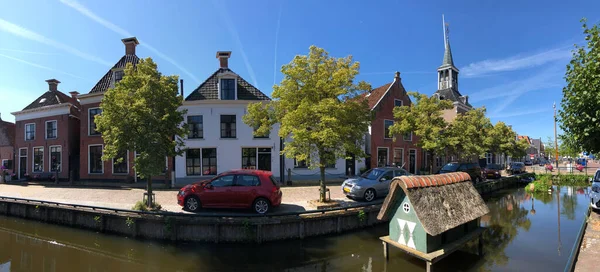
555	138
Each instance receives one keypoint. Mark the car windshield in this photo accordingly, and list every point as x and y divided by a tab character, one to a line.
372	174
450	167
493	166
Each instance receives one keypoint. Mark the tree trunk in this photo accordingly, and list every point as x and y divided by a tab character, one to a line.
431	160
322	189
149	191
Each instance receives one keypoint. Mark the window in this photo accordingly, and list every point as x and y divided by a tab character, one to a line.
488	158
38	159
247	180
51	130
224	181
195	124
256	158
228	126
248	158
118	76
55	158
95	159
266	135
382	157
386	128
331	165
389	175
192	162
407	137
399	157
397	103
29	132
301	163
8	164
227	89
123	166
398	173
92	124
462	167
209	161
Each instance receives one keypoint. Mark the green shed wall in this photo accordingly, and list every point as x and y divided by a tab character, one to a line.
419	236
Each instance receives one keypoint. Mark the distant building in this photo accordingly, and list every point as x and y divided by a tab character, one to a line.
7	148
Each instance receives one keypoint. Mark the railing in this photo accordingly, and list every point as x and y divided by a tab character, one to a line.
575	250
564	170
167	213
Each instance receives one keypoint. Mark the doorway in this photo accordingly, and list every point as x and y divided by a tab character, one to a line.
412	159
22	162
351	165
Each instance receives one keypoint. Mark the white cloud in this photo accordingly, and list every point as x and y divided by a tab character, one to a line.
26	52
40	66
518	62
88	13
30	35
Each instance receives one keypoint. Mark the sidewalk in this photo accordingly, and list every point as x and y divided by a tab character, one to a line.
590	245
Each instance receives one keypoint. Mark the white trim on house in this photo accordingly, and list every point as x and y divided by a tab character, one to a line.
410	139
401	155
46	111
46	129
3	160
113	165
50	158
25	130
227	75
89	125
89	161
26	159
33	159
387	153
382	96
114	76
85	99
384	135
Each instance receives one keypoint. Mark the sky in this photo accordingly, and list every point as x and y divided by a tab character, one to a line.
511	54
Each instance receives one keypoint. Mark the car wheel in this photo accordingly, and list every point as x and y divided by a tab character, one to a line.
192	204
261	205
369	195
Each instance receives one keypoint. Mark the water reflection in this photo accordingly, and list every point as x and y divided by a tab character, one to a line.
526	232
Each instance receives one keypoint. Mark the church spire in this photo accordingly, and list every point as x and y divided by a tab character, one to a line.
448	61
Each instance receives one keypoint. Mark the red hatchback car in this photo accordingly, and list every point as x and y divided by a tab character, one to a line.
255	189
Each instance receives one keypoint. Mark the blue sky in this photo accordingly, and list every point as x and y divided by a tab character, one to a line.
511	54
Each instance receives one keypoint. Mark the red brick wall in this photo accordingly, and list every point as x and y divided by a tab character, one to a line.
65	134
6	153
385	111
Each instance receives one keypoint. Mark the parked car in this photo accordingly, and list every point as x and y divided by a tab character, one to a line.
549	167
528	162
472	169
516	168
595	194
543	162
372	184
245	189
492	170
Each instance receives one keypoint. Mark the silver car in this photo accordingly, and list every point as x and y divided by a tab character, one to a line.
372	184
595	194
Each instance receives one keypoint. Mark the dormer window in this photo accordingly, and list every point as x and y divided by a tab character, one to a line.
118	75
227	88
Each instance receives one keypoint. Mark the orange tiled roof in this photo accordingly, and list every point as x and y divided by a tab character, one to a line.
376	94
434	180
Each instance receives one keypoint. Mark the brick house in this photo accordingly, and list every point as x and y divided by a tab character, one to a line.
47	136
91	145
383	149
7	142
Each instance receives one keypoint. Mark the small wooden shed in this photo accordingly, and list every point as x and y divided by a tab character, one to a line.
429	213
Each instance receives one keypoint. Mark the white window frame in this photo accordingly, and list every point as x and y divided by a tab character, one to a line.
33	159
89	161
113	165
114	76
50	158
488	158
228	76
46	129
401	102
402	155
25	130
387	153
90	124
384	135
26	159
3	160
410	139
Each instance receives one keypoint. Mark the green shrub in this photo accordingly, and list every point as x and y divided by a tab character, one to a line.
541	184
141	206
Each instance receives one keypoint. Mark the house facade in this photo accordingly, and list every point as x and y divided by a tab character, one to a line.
383	149
218	139
91	166
7	142
46	134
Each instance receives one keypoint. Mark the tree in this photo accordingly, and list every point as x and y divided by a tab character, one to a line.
579	115
567	146
320	109
468	134
501	138
549	146
518	148
141	114
424	119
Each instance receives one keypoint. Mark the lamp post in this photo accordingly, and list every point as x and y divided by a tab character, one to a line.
555	138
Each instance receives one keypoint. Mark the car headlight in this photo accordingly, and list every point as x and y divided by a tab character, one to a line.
496	172
357	187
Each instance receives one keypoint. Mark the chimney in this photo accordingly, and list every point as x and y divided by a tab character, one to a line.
223	57
397	76
53	84
130	44
181	85
74	94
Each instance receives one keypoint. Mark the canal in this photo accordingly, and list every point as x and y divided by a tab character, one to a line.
526	233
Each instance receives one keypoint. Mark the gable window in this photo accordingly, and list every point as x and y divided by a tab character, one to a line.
386	128
95	164
119	75
51	130
29	132
92	117
256	158
228	126
227	89
38	159
123	166
195	124
397	103
56	158
407	137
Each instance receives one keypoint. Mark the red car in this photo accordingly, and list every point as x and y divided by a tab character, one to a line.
255	189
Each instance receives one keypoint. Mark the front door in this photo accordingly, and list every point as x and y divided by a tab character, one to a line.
412	158
220	195
22	162
351	165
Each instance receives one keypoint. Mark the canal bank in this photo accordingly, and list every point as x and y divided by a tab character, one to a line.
210	227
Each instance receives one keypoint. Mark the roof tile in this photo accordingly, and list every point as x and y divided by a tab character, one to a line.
209	89
414	182
106	80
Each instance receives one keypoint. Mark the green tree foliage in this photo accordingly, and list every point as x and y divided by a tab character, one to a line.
549	147
141	114
469	134
567	146
519	148
579	115
424	119
502	139
319	108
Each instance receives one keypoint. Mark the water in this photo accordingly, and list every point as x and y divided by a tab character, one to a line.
524	236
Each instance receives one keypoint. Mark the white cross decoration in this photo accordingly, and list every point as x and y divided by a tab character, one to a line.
411	227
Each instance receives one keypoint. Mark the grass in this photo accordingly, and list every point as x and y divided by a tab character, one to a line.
141	206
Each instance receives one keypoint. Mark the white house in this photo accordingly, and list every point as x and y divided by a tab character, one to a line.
219	140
